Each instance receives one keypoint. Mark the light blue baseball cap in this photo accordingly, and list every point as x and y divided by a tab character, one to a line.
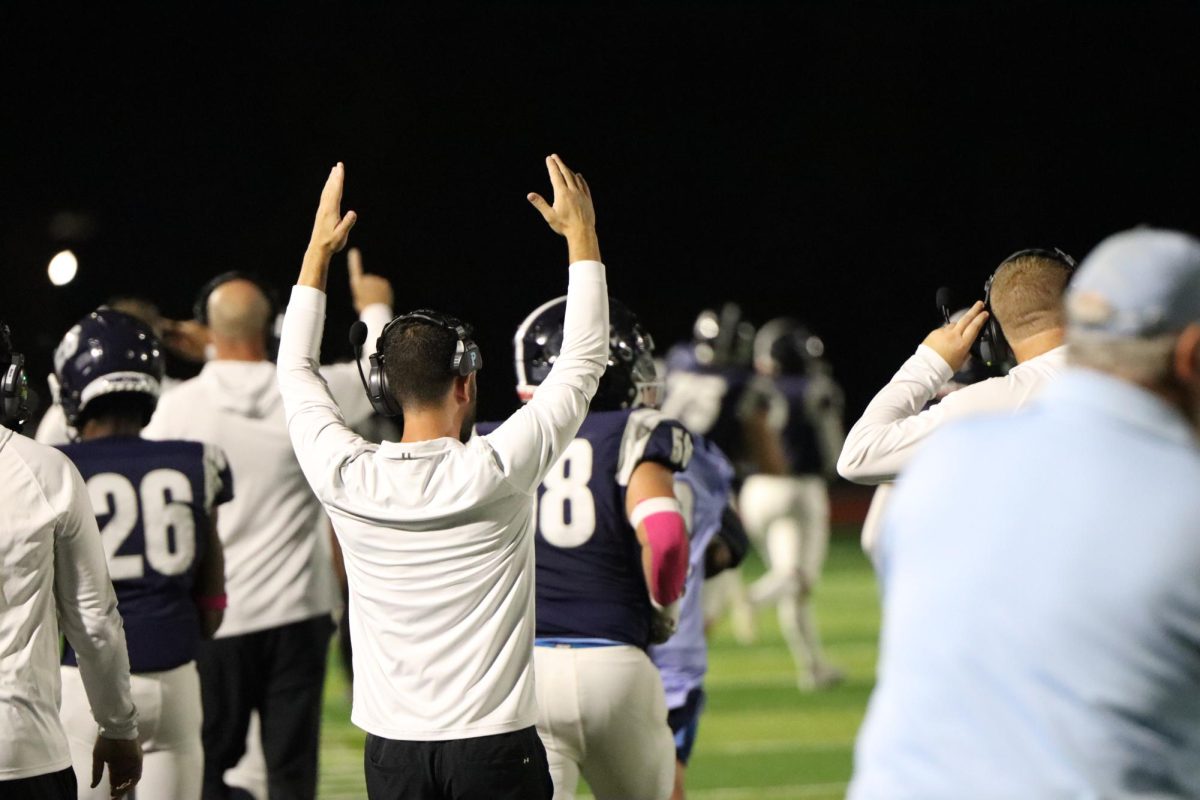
1140	282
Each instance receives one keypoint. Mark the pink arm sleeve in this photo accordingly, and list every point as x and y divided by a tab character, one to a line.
666	534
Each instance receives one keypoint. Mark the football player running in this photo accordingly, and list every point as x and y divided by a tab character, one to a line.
611	555
156	504
789	513
718	542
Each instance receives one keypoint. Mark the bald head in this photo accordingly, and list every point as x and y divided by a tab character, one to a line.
1027	296
238	311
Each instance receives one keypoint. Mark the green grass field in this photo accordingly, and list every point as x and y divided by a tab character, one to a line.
760	738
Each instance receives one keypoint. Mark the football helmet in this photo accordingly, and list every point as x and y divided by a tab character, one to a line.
628	381
16	404
722	339
783	346
104	353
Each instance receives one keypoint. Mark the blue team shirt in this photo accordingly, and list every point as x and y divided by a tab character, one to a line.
590	583
153	502
703	489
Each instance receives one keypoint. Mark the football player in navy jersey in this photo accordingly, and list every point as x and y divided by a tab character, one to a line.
718	542
156	505
790	513
708	390
611	555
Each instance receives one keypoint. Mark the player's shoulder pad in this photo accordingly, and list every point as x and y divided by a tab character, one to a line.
651	435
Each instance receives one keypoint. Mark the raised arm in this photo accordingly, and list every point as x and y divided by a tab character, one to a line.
319	433
893	424
533	438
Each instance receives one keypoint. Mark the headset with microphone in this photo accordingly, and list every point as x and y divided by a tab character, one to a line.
466	358
200	304
16	403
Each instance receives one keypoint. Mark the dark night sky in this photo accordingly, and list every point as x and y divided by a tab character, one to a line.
832	161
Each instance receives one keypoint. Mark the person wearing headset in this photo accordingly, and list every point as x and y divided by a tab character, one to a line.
1019	322
269	653
53	577
437	529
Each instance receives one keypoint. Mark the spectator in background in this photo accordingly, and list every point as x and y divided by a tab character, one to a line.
1024	295
269	653
1041	607
53	576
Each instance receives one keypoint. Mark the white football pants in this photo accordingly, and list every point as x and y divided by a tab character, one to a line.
169	720
602	712
790	517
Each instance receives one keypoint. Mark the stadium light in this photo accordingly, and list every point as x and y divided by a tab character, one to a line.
63	268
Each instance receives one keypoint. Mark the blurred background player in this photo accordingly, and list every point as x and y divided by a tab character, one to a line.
269	654
717	542
708	389
157	502
611	556
789	513
185	339
53	577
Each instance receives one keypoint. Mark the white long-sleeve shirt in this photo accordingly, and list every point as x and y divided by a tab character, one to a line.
278	565
893	425
52	573
438	535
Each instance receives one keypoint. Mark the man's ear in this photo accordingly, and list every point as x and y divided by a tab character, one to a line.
462	389
1187	355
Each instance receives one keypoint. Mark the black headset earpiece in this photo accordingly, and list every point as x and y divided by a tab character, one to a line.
467	357
994	349
14	393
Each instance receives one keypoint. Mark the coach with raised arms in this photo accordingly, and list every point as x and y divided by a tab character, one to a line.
437	529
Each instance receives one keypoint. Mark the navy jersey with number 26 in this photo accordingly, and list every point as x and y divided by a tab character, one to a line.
590	582
153	501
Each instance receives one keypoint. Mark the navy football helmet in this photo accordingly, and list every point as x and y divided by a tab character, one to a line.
630	374
16	404
105	353
783	346
722	339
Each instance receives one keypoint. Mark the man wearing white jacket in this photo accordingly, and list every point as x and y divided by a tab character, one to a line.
269	654
437	529
53	577
1024	295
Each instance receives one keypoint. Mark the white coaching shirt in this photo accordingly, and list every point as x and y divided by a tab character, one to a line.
893	425
438	535
278	567
52	574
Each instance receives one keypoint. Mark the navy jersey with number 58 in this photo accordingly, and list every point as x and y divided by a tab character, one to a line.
153	501
590	582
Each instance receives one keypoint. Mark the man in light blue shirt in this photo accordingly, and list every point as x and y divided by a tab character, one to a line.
1041	572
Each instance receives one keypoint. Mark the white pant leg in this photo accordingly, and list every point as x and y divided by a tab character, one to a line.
169	721
628	748
250	773
559	724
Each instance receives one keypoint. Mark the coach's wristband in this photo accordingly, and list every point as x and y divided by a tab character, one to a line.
212	602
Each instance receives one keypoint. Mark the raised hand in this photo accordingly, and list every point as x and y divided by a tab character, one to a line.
331	229
953	341
572	215
366	289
